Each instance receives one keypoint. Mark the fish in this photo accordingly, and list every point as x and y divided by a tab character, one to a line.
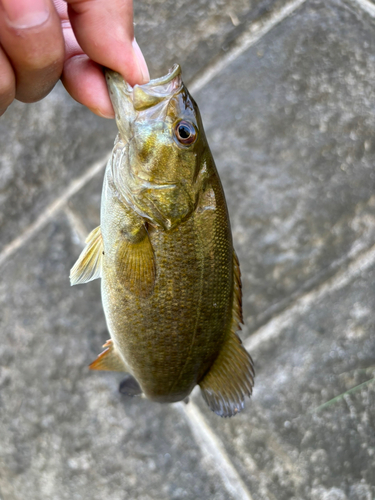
170	278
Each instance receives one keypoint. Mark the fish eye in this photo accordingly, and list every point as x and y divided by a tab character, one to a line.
185	132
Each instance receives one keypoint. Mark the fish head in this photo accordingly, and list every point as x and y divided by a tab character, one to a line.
160	149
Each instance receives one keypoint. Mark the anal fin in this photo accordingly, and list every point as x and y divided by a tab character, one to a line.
135	265
89	264
229	380
109	360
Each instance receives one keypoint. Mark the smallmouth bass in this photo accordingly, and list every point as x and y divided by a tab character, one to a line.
171	286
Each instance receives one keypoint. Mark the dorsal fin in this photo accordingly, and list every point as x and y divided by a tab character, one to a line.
237	318
89	264
231	377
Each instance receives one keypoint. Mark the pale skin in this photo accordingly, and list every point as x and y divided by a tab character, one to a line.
42	41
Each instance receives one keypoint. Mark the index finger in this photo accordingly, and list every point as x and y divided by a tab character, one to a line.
104	30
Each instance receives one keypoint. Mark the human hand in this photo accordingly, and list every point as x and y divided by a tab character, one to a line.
43	40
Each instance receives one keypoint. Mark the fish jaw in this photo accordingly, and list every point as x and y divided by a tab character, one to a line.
121	95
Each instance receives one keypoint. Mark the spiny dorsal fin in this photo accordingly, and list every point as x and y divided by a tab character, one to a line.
89	264
231	377
237	318
109	360
135	265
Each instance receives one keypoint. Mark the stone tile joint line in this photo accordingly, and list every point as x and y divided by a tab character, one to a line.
50	211
286	318
213	451
366	5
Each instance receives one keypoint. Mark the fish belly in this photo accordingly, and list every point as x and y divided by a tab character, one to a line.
170	339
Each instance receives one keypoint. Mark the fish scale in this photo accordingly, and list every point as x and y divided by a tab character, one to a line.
171	287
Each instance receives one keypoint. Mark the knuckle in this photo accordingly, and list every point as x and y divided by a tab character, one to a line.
7	90
47	62
37	81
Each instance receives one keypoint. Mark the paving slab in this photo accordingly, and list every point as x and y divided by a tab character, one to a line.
85	205
291	126
309	431
193	33
45	146
66	432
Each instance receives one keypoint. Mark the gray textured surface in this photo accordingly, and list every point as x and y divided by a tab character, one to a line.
69	433
291	125
44	146
192	33
289	444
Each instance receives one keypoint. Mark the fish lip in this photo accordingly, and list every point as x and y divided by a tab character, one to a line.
163	80
152	85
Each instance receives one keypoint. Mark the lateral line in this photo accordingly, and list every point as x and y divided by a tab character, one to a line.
342	278
213	451
255	32
51	210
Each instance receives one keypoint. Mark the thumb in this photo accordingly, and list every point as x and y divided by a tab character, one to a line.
104	30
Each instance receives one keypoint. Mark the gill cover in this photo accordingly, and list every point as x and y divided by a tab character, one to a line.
157	153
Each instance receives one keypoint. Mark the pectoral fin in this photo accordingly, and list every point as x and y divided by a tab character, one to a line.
109	360
135	265
231	377
89	264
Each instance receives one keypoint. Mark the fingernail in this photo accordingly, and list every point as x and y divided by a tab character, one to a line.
104	114
141	62
26	13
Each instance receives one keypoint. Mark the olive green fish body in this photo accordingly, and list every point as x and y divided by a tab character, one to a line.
171	287
171	338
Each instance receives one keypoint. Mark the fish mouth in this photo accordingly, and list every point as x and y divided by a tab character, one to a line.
172	74
147	95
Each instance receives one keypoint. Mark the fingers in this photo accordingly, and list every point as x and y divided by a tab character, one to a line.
104	30
33	56
7	83
84	81
31	37
82	77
